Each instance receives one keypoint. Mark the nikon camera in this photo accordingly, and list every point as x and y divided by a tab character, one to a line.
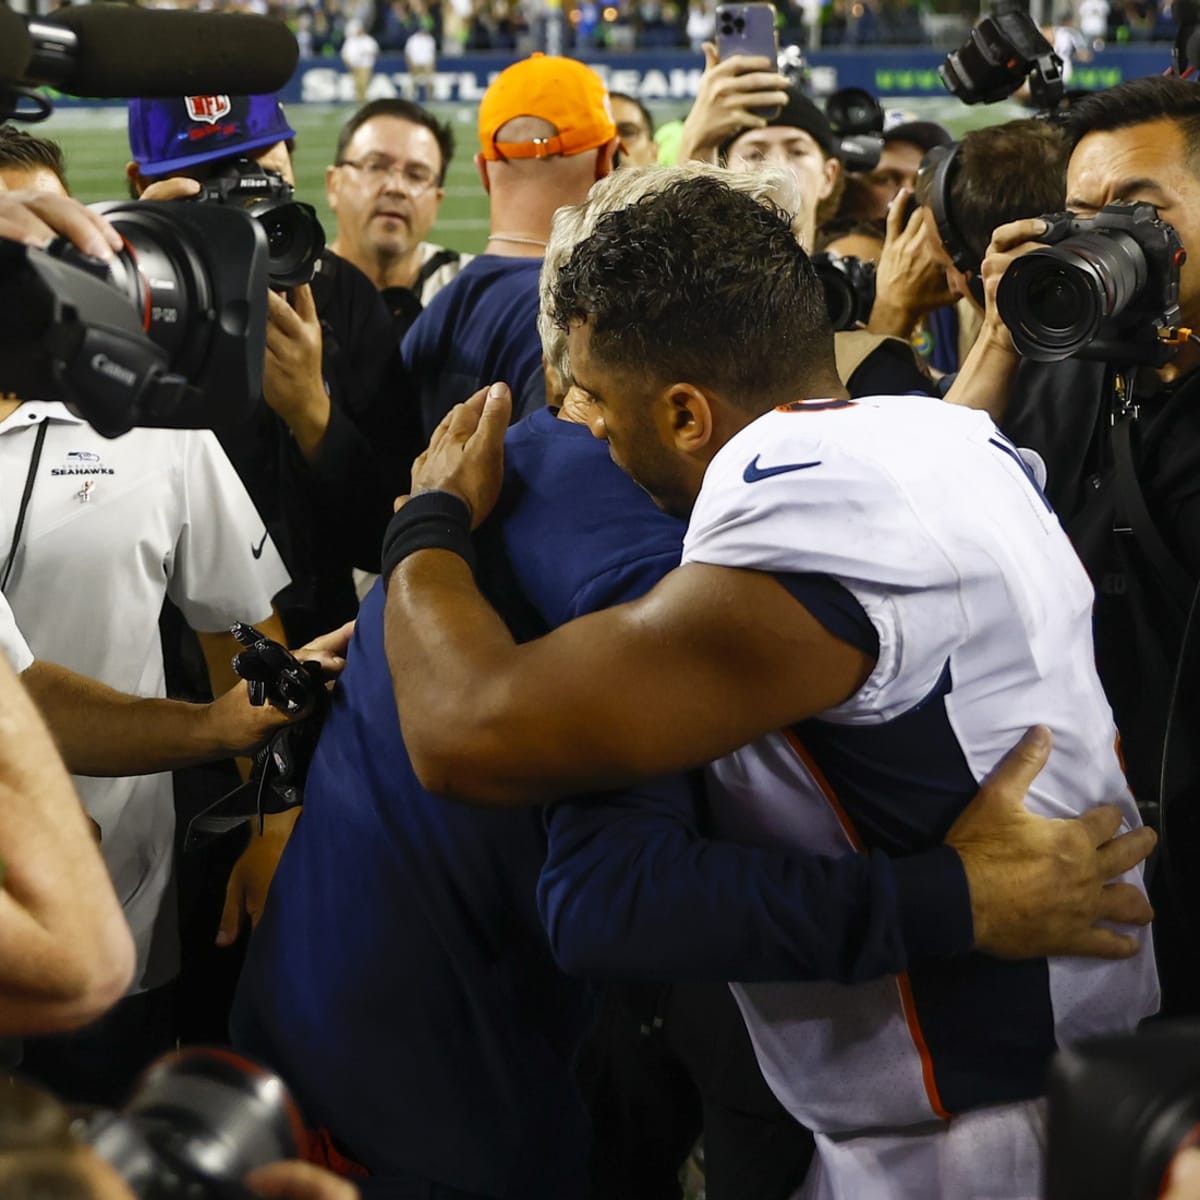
295	238
1106	287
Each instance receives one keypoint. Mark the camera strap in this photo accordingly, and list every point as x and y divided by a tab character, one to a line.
30	475
1175	579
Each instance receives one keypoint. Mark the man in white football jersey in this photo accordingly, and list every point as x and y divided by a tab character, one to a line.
874	601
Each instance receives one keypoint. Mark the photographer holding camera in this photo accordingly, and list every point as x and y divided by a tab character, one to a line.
1123	463
322	454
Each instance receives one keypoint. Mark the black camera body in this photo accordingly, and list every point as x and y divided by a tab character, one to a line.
1004	50
170	335
857	118
849	285
1106	288
295	238
1119	1108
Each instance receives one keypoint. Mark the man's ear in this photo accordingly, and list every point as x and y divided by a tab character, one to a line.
331	188
605	159
481	165
137	184
833	168
685	417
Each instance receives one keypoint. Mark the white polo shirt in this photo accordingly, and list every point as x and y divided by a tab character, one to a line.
111	528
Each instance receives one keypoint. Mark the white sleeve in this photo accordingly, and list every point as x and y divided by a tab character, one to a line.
12	645
225	567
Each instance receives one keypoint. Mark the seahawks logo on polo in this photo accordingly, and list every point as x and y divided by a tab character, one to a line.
82	462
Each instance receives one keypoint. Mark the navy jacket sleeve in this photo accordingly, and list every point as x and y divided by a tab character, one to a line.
633	889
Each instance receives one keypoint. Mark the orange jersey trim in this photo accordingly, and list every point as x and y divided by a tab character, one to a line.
903	982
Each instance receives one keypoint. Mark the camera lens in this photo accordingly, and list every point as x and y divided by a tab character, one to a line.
279	238
849	285
854	111
1054	301
295	240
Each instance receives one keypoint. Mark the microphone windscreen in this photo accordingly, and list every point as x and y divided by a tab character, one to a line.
127	51
16	48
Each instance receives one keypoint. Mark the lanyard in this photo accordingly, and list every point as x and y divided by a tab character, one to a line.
29	477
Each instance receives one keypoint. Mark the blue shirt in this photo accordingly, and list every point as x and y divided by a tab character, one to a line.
479	329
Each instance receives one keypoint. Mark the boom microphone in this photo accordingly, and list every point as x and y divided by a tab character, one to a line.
110	51
15	45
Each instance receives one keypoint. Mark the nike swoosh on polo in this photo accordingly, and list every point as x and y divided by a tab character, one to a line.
753	472
257	551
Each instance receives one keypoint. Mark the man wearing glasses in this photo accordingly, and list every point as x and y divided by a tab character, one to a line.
385	189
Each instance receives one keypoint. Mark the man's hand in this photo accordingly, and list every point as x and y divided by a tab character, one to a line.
250	879
239	727
910	280
36	218
292	382
729	92
1008	242
465	456
177	187
1041	886
299	1181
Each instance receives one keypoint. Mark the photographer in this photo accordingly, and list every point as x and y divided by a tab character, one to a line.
321	455
931	257
1139	141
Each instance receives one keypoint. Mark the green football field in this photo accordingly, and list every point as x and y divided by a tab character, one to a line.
97	149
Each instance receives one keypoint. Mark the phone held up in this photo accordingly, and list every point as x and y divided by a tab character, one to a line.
748	29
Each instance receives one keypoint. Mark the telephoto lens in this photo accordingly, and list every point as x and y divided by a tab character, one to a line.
1105	287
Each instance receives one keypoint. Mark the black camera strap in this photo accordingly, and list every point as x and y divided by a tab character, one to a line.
25	495
1175	579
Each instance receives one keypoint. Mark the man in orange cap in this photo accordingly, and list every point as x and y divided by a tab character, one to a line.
546	134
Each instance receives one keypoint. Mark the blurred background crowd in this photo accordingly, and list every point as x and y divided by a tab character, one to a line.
462	26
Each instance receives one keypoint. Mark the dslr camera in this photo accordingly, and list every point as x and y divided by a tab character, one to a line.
1106	287
295	238
199	1120
1004	50
849	285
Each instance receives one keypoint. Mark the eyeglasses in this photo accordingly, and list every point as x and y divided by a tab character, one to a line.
416	179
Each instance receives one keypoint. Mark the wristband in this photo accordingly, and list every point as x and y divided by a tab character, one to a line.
429	521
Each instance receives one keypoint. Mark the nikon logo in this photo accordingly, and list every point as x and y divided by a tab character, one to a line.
105	366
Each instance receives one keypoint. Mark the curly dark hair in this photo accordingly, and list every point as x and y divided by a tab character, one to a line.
700	282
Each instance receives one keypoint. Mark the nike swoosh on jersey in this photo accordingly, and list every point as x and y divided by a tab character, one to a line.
753	472
257	551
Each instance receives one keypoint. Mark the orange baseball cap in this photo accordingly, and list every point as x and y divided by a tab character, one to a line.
562	91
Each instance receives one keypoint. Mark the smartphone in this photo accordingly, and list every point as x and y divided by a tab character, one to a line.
748	29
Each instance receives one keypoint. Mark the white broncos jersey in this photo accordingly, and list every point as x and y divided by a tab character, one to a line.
931	522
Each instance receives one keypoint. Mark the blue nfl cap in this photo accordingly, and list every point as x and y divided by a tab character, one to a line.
185	131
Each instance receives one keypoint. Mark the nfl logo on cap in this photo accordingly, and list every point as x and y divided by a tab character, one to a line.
207	108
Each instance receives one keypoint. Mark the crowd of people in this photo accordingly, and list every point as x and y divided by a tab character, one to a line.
458	26
722	741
